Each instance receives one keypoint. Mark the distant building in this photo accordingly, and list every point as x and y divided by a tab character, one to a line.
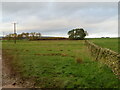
105	37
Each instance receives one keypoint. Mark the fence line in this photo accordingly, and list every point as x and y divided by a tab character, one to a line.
106	56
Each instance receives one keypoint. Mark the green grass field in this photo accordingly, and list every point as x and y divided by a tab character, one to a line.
110	43
63	64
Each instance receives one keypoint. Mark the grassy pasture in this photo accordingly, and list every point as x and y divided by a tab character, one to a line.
59	64
110	43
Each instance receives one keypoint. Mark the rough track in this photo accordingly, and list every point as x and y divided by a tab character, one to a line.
8	81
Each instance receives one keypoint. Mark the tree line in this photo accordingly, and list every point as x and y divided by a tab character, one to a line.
74	34
29	36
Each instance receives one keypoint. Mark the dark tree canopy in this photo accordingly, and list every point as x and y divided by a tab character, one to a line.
77	34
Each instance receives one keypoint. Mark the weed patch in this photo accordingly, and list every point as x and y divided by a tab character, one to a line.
79	60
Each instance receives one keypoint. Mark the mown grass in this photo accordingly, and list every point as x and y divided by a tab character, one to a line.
110	43
53	64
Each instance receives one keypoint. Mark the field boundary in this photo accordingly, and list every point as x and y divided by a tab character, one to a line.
106	56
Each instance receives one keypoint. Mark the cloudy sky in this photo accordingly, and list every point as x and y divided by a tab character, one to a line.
99	19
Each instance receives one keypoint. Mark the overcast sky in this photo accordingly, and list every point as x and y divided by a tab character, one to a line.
99	19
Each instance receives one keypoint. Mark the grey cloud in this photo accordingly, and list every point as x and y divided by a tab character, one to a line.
57	18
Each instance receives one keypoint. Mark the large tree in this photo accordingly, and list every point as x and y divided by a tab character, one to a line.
77	34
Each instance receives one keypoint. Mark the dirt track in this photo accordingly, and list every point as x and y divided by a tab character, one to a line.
8	80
